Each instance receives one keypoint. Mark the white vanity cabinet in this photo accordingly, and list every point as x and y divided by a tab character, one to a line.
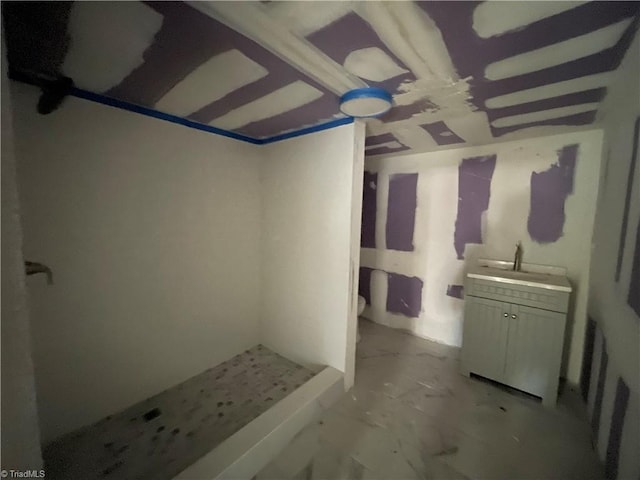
514	329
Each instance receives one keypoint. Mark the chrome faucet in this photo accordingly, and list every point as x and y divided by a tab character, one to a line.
517	261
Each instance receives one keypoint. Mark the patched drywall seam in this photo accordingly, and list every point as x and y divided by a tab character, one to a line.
474	191
441	133
98	59
431	56
549	191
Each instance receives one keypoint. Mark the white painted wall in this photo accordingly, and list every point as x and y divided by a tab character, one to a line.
608	299
434	258
308	309
20	433
153	234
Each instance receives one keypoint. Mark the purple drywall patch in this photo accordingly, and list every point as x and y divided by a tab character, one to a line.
634	285
378	144
627	200
369	210
594	95
615	432
186	40
549	191
384	150
474	191
441	133
471	54
585	118
587	358
350	33
378	139
455	291
364	284
239	97
312	113
404	295
602	378
401	211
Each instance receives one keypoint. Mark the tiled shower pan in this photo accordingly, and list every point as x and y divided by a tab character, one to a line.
227	422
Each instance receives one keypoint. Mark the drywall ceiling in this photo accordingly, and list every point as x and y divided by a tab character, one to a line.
461	73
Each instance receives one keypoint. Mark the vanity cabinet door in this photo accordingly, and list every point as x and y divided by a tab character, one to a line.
534	351
484	340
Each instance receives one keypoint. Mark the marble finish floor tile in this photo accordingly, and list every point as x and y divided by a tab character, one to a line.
161	436
412	415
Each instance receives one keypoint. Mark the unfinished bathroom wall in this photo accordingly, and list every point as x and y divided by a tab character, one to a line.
308	200
611	372
463	204
152	231
20	449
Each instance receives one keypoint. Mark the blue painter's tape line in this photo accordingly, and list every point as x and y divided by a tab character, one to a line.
305	131
367	92
149	112
131	107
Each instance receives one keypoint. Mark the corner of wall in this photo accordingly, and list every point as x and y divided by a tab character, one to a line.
20	427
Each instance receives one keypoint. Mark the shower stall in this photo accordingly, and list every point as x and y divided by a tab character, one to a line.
203	305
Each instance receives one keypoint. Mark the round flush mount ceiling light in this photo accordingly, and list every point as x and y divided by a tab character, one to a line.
365	102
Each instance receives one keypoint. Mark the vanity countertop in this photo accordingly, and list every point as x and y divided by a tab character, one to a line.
530	279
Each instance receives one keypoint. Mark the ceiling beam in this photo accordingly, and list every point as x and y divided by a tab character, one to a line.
252	20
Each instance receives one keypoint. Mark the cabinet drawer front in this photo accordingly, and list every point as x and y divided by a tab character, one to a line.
519	294
484	337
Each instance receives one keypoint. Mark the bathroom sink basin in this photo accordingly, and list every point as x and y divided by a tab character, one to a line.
531	279
523	275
